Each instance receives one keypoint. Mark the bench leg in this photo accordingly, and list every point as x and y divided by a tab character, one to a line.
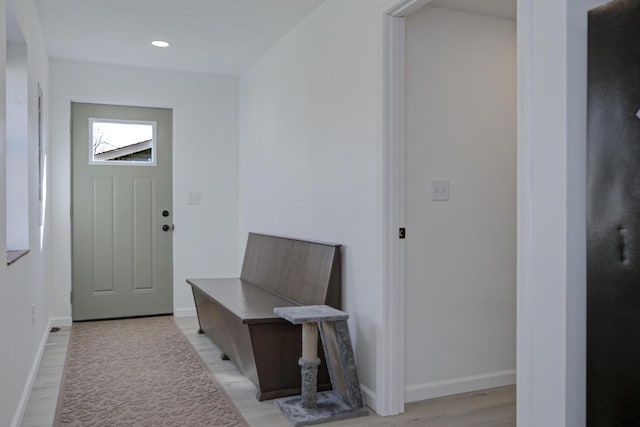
195	302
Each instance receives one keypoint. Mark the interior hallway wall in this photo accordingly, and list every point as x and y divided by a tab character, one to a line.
311	154
205	160
461	127
25	283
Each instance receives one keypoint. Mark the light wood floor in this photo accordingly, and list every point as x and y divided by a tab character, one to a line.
44	394
487	408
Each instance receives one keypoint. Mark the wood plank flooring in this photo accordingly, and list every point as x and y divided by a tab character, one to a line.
41	407
487	408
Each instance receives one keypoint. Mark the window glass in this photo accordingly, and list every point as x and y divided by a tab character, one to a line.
122	141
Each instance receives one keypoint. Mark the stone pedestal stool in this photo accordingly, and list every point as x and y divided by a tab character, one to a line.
345	400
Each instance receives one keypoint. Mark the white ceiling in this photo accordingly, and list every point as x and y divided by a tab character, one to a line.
499	8
216	36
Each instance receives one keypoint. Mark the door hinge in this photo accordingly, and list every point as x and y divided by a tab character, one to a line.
403	233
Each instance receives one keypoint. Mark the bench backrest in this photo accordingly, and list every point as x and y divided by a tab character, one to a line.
304	272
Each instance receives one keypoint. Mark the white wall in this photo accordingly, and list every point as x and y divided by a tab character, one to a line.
17	147
461	254
24	283
311	153
205	160
552	239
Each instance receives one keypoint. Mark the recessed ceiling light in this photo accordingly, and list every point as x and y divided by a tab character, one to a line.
160	43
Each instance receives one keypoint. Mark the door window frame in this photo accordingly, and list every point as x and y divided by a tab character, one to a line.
154	154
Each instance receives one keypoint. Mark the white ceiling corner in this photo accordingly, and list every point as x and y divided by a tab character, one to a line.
210	36
14	33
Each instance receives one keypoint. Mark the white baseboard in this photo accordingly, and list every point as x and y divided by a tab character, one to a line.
184	312
435	389
60	322
26	392
369	397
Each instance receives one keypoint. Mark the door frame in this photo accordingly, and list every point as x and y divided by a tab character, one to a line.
391	354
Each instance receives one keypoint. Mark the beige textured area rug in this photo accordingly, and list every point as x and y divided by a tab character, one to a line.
138	372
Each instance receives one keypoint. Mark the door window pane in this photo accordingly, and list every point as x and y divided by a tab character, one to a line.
123	142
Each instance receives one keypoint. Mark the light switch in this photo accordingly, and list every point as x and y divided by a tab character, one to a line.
440	191
194	198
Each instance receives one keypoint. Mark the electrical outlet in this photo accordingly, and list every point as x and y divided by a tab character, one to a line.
440	191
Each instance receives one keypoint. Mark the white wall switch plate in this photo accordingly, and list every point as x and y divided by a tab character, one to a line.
440	191
194	198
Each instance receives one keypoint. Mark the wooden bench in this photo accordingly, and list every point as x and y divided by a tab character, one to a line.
237	314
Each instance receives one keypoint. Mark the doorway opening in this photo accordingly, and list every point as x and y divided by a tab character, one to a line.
17	137
461	198
451	183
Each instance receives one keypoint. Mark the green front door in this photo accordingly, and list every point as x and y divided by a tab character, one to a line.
121	212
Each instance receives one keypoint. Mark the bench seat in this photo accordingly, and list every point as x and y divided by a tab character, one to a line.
237	313
244	301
